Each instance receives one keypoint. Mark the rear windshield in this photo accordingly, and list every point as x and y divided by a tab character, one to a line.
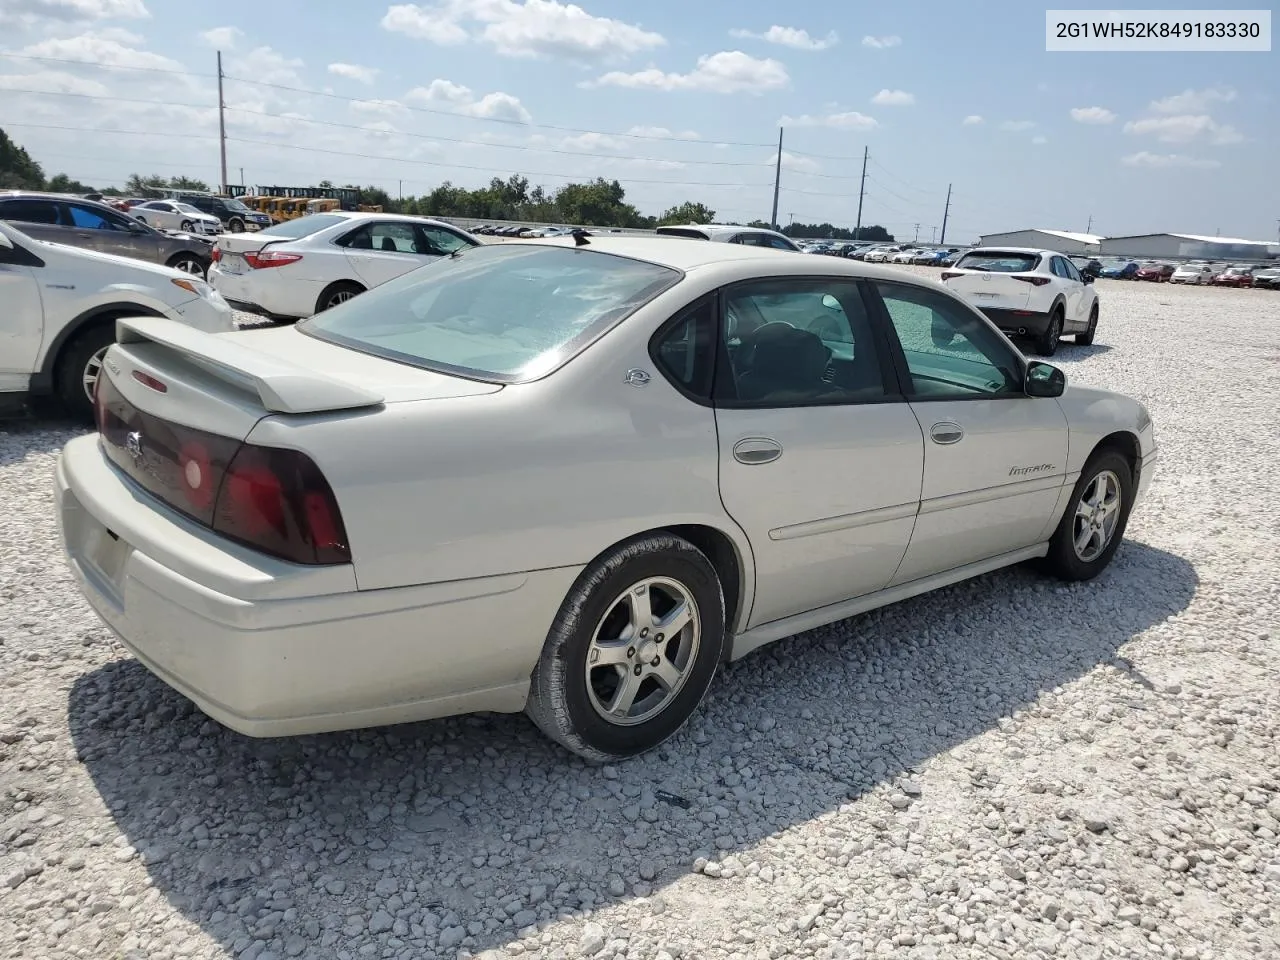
505	313
301	227
997	261
690	232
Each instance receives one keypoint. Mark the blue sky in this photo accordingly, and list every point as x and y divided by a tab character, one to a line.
678	100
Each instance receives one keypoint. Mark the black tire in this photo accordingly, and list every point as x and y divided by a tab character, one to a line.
235	225
559	701
1062	560
337	293
1086	339
1047	342
189	263
73	365
186	226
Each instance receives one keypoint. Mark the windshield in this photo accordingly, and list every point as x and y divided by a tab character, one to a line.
504	312
188	209
997	261
302	226
236	206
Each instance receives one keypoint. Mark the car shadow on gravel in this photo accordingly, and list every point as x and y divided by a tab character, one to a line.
463	831
43	431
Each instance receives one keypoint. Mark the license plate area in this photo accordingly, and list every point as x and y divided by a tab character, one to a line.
232	263
100	552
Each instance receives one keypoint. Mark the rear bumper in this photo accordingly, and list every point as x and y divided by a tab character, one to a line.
270	648
273	296
1017	322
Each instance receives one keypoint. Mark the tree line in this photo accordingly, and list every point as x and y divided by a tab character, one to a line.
599	202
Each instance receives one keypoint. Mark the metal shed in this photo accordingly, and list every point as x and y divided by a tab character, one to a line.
1187	246
1062	241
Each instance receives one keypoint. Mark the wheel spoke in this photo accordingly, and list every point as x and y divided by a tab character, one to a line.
641	610
1082	539
676	620
667	673
608	654
625	696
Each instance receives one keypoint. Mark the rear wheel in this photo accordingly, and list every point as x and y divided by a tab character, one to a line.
632	651
1047	342
1086	338
337	293
186	225
78	369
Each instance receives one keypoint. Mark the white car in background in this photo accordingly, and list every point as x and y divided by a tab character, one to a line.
879	254
906	256
1028	293
1193	273
173	215
571	479
730	233
58	310
301	267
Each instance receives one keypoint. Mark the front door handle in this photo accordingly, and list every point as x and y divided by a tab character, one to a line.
946	432
756	450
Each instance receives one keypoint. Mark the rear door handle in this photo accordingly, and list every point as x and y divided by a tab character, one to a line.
946	432
756	450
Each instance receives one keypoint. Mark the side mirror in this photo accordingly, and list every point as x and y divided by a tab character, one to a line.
1087	277
1044	380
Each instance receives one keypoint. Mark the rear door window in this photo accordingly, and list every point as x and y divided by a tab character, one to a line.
998	261
29	210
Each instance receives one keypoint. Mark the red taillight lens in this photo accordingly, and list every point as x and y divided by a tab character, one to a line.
278	501
1034	281
270	258
950	274
216	253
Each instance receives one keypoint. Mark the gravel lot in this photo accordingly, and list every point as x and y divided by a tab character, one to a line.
1008	768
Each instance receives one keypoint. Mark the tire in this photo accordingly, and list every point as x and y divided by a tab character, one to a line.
1064	561
1047	342
235	225
1086	339
570	700
189	263
337	293
186	226
79	359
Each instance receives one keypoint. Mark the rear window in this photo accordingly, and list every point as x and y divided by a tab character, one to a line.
504	313
997	261
690	232
302	226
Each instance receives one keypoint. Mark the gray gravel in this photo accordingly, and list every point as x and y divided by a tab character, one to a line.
1010	768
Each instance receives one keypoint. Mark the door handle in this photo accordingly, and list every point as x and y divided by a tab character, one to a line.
946	432
756	450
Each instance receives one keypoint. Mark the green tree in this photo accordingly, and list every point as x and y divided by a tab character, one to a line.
17	170
139	185
61	183
188	183
688	212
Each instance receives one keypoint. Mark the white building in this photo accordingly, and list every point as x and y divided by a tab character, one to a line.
1060	240
1188	246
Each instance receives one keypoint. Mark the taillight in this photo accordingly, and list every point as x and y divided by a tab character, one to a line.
1034	281
270	258
950	275
277	501
216	253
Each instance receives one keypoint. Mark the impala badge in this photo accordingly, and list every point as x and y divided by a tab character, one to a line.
637	377
133	444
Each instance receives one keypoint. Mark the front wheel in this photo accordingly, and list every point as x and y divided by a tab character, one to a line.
188	263
1047	342
632	651
236	225
1086	339
1093	524
79	368
186	226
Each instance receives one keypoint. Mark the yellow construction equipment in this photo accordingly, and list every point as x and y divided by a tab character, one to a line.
322	206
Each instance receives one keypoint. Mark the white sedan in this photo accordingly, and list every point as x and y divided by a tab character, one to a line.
173	215
570	477
1192	273
300	267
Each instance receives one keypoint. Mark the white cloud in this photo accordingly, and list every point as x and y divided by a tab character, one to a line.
492	106
53	81
792	162
972	120
894	98
1017	126
1039	141
534	28
847	120
881	43
1185	129
1193	101
388	108
663	133
96	48
791	37
266	65
729	71
1166	160
353	72
1093	115
592	141
222	38
28	12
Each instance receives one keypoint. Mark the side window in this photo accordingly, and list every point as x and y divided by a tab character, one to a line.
950	352
779	244
1072	272
797	342
738	238
438	241
384	238
29	211
87	219
684	349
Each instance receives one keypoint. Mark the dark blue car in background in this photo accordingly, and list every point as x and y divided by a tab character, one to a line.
1120	270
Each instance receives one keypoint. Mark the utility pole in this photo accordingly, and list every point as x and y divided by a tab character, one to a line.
242	183
777	182
862	189
933	234
945	211
917	236
222	125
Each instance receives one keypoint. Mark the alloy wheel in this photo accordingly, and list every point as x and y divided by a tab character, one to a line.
190	265
340	296
92	369
642	651
1097	514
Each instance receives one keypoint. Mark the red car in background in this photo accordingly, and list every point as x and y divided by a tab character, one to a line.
1234	277
1157	272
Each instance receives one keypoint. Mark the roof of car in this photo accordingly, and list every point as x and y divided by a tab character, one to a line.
1035	250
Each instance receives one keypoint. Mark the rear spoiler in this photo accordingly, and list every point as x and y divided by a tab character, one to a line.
282	387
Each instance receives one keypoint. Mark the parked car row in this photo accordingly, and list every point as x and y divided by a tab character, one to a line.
1194	272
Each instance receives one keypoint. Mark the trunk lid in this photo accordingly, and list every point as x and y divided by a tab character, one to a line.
233	246
994	279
